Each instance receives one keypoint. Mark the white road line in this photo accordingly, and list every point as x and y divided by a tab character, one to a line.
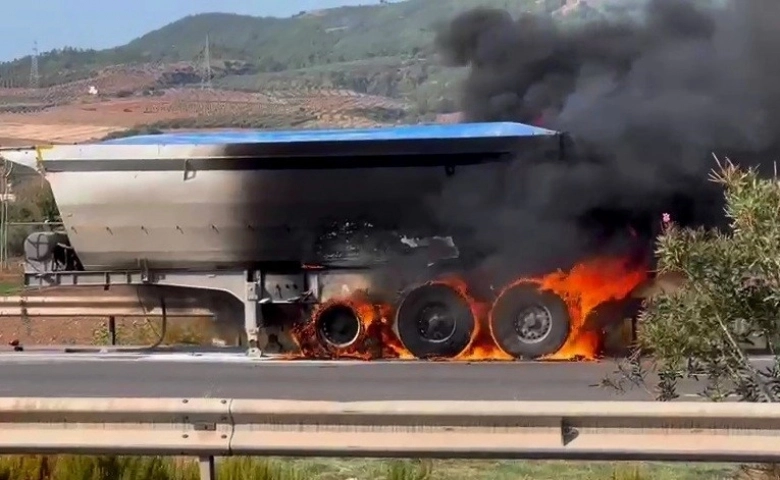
215	358
57	355
241	358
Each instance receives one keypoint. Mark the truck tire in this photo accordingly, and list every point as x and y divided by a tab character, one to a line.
434	321
528	323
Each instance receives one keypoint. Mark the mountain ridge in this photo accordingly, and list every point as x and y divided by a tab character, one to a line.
268	44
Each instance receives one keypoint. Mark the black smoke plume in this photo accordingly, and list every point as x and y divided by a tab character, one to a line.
647	99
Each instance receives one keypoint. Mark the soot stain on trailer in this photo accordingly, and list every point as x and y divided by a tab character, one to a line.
353	202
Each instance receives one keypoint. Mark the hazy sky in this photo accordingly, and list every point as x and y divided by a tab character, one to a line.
108	23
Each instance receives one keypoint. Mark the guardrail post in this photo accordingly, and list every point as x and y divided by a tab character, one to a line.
112	330
208	469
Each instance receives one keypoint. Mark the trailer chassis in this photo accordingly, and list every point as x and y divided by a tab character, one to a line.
253	288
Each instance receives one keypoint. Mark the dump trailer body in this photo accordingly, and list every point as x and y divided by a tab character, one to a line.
227	200
226	223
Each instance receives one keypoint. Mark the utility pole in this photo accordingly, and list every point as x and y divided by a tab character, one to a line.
205	82
35	75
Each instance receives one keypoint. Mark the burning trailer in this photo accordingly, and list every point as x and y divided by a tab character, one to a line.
330	238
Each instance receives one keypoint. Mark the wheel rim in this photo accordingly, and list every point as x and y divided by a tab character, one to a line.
339	327
533	324
436	323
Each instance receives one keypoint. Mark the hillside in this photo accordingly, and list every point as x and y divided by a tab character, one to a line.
253	45
348	67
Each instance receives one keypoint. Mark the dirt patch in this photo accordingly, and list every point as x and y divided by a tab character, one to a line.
18	142
20	134
95	113
88	118
95	331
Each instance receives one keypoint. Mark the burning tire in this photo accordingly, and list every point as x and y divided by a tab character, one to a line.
435	321
527	323
338	326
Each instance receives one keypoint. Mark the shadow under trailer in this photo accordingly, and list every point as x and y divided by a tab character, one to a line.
320	242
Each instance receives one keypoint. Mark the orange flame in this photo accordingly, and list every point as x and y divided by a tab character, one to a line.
587	286
584	288
481	346
375	340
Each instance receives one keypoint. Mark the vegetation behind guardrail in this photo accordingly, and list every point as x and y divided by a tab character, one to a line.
730	299
68	467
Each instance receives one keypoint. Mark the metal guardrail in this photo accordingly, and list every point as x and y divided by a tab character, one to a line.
91	306
204	427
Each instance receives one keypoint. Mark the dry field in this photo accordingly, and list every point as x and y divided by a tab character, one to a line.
82	122
109	82
15	134
70	114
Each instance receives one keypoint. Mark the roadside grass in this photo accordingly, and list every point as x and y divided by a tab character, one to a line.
145	331
67	467
10	288
11	281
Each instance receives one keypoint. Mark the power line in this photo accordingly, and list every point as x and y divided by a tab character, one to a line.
35	76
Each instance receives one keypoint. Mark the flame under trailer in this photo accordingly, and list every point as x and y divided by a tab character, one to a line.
248	223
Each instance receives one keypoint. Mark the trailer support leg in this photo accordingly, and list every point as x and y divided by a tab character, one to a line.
252	323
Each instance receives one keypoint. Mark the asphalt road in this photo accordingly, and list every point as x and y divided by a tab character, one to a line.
57	376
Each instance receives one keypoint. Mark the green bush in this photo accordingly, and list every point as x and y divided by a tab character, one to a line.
730	298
